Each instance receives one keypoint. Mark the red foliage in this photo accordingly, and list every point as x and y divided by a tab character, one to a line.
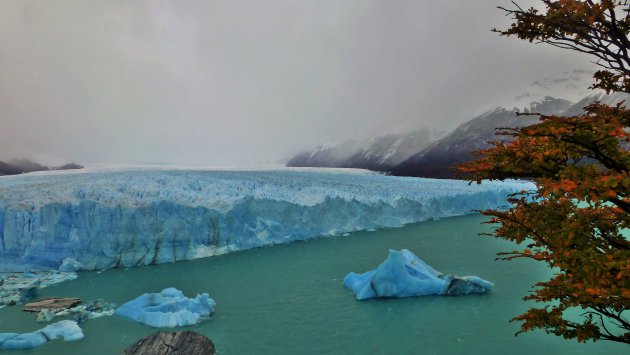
576	219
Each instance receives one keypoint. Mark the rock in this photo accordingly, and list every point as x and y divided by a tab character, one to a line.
172	343
45	316
54	304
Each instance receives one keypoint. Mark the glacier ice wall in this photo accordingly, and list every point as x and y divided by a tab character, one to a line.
129	218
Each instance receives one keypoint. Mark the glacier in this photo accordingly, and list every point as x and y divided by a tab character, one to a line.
98	219
168	308
404	274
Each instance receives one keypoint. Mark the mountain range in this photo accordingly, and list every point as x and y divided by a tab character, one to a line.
21	166
381	153
421	153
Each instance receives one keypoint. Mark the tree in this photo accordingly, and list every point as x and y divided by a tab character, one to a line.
576	217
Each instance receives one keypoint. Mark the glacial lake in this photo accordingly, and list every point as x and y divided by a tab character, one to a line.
289	299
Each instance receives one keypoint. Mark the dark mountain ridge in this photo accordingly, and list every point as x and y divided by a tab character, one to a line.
436	158
22	166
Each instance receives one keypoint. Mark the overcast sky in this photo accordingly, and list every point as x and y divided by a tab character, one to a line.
229	82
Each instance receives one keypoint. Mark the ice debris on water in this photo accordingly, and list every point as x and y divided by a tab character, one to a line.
45	316
404	274
127	218
66	329
19	287
168	308
81	313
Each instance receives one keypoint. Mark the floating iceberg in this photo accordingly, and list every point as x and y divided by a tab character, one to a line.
125	218
403	274
169	308
66	329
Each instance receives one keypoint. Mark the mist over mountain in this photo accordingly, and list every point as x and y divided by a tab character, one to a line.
434	157
437	160
380	153
245	82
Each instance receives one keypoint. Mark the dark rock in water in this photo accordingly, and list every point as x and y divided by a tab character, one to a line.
54	304
172	343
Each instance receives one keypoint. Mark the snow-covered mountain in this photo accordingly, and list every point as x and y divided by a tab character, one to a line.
437	160
571	85
379	154
327	155
567	94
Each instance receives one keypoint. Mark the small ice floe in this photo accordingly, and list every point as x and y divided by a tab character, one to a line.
169	308
18	287
403	274
66	329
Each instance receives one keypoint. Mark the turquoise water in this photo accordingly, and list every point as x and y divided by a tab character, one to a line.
289	299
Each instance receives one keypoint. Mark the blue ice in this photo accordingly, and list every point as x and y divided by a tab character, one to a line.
66	329
124	218
168	308
403	274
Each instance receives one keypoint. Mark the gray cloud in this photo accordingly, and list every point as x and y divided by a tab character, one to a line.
216	82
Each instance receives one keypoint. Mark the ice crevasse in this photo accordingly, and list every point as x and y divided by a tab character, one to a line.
124	218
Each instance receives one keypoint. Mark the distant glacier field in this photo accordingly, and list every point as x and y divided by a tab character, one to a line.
124	218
